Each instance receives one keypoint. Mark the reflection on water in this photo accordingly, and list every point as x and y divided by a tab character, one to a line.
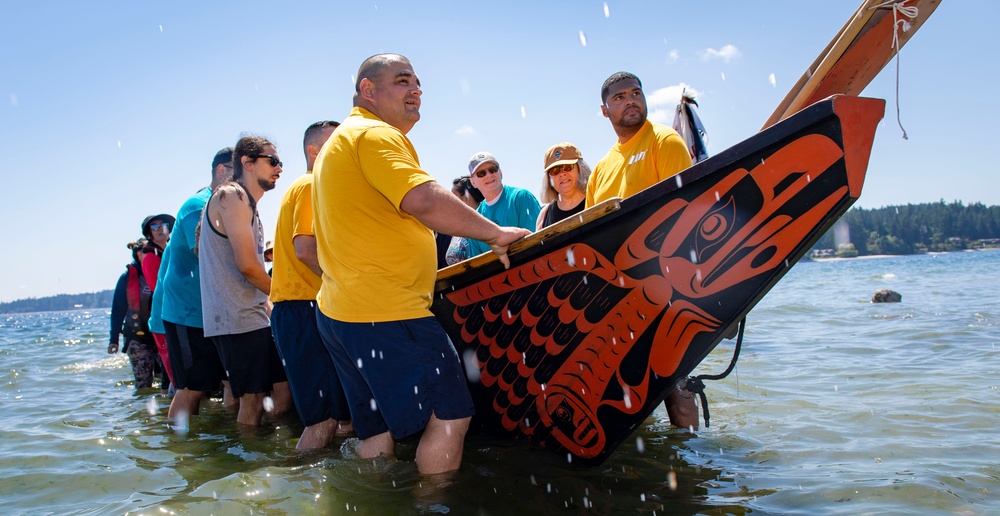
837	406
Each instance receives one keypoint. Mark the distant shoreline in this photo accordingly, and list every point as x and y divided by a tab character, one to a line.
879	256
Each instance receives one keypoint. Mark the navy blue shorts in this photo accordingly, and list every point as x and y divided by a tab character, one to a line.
251	361
312	377
395	374
194	361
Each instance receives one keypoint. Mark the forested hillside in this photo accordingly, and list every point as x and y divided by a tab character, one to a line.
916	228
100	299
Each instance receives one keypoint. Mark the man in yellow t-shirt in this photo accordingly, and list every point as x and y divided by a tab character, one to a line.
645	154
375	213
312	377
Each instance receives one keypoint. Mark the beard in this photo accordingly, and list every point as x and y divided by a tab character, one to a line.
633	120
266	184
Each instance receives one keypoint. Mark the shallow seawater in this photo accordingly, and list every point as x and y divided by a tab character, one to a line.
837	406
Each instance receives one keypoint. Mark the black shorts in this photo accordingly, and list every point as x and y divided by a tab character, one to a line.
312	376
251	361
194	361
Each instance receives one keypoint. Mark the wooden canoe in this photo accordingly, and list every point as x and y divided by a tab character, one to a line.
600	315
854	56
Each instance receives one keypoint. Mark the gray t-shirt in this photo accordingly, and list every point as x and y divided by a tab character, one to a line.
229	303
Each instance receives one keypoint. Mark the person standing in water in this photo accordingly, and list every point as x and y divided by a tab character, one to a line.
235	286
375	214
645	154
296	278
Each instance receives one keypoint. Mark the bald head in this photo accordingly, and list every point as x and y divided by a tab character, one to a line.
374	66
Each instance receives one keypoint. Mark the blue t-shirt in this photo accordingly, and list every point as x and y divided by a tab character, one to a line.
179	279
514	207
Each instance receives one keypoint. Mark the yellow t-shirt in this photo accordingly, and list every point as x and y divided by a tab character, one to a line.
653	154
379	264
292	280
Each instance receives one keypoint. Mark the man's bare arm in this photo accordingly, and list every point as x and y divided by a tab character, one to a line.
305	251
441	211
236	217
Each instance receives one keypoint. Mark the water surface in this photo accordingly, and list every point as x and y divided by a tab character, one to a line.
837	406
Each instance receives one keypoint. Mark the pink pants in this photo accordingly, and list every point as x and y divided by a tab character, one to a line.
161	346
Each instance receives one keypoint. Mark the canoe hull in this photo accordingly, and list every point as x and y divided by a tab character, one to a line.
596	321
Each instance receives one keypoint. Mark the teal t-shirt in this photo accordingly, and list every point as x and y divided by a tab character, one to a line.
514	207
179	280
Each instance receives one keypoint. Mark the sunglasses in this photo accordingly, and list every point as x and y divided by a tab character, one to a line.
275	162
488	170
156	227
559	169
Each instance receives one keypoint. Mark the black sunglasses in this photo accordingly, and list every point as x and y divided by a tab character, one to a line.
275	162
488	170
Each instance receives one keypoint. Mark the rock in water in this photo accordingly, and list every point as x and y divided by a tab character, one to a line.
886	296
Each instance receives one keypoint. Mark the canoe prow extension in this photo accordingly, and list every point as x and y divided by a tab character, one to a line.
600	315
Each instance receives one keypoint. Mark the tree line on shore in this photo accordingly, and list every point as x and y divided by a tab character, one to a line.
910	229
100	299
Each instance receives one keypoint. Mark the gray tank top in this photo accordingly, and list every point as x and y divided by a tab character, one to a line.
229	303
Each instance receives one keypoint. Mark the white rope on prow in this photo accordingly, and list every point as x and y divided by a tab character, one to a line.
910	12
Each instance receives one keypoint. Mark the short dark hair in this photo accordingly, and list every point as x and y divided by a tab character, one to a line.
136	246
311	136
464	185
616	77
252	146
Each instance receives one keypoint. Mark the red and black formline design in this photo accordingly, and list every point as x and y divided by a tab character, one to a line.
586	333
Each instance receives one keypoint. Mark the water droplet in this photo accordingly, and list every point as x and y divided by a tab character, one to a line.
583	38
360	365
268	404
524	114
570	258
679	181
607	13
672	480
373	405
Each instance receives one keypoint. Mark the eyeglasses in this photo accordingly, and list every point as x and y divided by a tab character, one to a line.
559	169
275	162
156	227
488	170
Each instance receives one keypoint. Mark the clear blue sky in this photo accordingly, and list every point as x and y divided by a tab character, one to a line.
116	108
